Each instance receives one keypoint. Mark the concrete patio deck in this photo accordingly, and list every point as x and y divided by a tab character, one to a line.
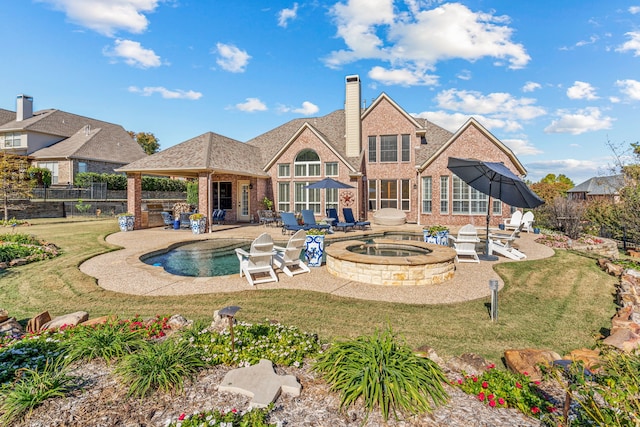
122	271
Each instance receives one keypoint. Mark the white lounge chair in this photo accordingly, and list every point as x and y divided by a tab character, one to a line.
258	261
501	244
527	220
288	259
465	244
514	221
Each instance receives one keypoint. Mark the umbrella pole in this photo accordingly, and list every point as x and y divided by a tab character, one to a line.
487	256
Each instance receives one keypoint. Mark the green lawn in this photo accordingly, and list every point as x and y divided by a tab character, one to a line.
560	303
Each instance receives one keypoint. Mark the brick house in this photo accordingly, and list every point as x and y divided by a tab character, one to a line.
65	143
390	158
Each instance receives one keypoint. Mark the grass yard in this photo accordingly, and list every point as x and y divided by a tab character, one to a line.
561	303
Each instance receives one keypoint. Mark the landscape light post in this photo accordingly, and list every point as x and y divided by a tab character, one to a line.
493	285
230	312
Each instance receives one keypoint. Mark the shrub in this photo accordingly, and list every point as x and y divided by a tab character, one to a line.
160	366
109	341
29	353
32	388
383	374
216	418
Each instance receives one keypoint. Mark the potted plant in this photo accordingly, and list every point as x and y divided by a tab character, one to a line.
314	247
125	221
438	234
267	203
198	223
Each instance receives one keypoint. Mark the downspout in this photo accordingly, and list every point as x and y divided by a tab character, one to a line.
209	203
418	192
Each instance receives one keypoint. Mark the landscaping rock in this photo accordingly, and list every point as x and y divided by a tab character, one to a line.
429	353
71	319
590	358
526	361
219	323
4	315
623	339
99	320
469	363
177	321
11	327
17	262
35	323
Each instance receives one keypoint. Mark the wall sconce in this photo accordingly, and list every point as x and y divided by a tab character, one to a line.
415	186
250	186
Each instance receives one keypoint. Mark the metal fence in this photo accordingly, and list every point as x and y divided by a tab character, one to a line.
621	236
96	191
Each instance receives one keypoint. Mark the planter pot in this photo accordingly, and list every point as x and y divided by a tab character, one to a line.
536	230
199	226
501	226
126	222
314	249
440	238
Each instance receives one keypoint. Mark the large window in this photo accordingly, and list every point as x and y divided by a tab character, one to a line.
284	197
406	148
405	194
12	139
444	194
373	205
82	167
331	198
222	195
389	148
284	170
426	194
53	167
372	150
331	169
388	194
467	200
305	198
307	163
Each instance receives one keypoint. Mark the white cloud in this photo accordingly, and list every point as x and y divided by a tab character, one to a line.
632	45
521	147
631	88
307	109
634	9
577	170
591	40
464	75
497	104
586	120
286	15
134	54
419	38
107	16
231	58
581	90
166	93
530	86
251	105
403	77
453	121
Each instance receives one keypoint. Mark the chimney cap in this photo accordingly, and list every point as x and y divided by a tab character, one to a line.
353	78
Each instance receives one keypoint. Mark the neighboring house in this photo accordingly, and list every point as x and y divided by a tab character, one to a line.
65	143
598	187
390	158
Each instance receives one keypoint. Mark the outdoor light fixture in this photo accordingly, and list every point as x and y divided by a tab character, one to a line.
493	285
230	312
250	186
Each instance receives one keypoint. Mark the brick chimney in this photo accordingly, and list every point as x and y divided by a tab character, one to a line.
24	107
352	116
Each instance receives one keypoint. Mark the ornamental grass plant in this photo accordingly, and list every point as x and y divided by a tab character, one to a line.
217	418
382	374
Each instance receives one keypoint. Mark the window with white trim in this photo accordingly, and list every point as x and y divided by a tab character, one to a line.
284	170
467	200
12	139
389	148
304	198
331	198
388	193
284	197
373	199
82	167
373	157
444	194
406	148
405	195
53	167
331	169
307	163
426	194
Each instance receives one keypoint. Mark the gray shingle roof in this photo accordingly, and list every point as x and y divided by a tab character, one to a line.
207	152
6	116
600	185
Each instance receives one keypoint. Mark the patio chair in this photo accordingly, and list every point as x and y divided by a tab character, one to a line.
465	244
290	223
217	217
288	259
514	221
335	221
310	220
348	217
527	220
167	218
258	261
501	244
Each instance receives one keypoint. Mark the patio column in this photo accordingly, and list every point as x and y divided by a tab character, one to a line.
204	188
134	198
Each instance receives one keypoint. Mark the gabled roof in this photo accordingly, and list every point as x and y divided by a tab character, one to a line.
384	97
6	116
473	122
208	152
110	143
600	185
52	122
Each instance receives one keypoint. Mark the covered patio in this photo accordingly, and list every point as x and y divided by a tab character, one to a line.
225	170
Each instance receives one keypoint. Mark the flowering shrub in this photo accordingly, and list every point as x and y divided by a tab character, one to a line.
562	241
232	418
503	389
283	345
30	353
153	328
19	245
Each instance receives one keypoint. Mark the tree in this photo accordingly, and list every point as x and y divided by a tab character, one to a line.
147	140
552	186
14	179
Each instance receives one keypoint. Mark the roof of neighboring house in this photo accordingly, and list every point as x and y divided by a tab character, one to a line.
110	143
600	185
208	152
6	116
52	122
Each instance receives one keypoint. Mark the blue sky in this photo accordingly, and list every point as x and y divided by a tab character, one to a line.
556	81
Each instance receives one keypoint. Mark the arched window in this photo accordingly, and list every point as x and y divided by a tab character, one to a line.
307	163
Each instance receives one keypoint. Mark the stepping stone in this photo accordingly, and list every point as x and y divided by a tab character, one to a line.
261	383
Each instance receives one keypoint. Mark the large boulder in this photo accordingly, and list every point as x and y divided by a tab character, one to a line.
623	339
35	324
11	327
4	315
526	361
71	319
469	363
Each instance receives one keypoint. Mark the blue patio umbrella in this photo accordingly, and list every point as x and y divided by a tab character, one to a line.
497	181
328	183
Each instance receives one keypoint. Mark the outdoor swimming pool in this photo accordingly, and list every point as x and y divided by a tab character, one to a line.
209	258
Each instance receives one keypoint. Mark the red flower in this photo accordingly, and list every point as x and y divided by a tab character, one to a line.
525	373
484	384
493	365
459	381
481	396
492	403
535	410
501	401
536	382
234	410
491	397
518	385
181	417
475	379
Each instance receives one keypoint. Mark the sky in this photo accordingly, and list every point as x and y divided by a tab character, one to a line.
557	81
